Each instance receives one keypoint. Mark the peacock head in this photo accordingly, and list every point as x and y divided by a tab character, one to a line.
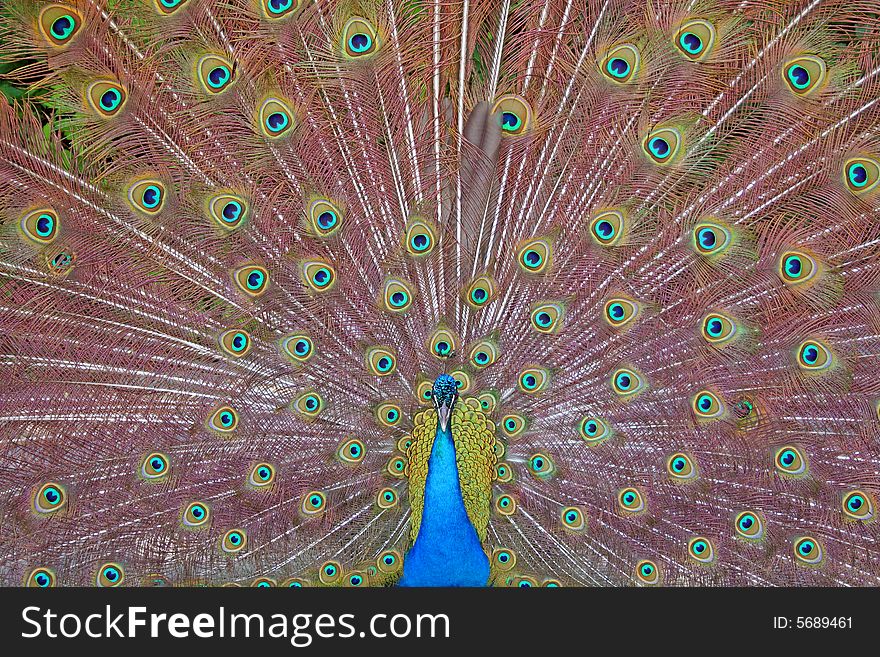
444	394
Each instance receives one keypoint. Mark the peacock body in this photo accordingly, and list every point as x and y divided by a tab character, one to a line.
555	292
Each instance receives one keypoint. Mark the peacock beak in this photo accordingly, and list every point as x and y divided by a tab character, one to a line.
443	412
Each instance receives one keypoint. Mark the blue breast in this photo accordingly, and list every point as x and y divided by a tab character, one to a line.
447	551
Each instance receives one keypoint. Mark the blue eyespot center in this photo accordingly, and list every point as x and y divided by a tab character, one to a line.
398	298
63	26
45	224
707	238
659	147
420	242
544	319
858	175
618	67
157	465
714	327
255	279
110	99
111	574
152	197
277	121
231	211
510	122
279	6
360	42
799	76
605	229
218	76
855	503
691	42
793	266
327	219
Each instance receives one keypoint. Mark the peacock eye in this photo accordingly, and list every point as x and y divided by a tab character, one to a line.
625	382
790	461
808	551
630	501
695	39
309	405
275	118
680	466
59	24
396	467
796	267
534	380
214	73
546	317
718	329
541	466
858	505
534	256
359	38
319	276
707	406
50	497
147	196
397	295
168	7
389	561
253	280
224	420
110	575
505	505
804	75
325	217
41	578
621	63
314	503
574	519
504	472
41	226
106	98
862	174
606	227
298	347
196	514
380	361
594	430
480	292
155	466
748	525
420	237
514	115
647	572
620	311
513	425
711	239
330	572
262	475
503	559
233	541
662	145
701	550
276	9
813	356
235	342
387	498
351	451
263	583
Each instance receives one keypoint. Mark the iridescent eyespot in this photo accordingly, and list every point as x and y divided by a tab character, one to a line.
235	342
233	541
41	578
620	311
294	583
275	118
861	174
155	466
60	261
462	380
505	505
253	280
701	549
424	391
420	237
504	472
814	356
351	451
524	582
263	583
706	405
325	217
168	7
808	551
299	347
147	196
276	9
695	39
662	145
546	317
499	448
355	579
551	583
214	73
359	38
513	113
711	238
574	519
109	575
626	382
224	420
261	475
804	74
330	572
196	514
630	500
397	295
396	467
594	431
308	404
534	256
380	361
680	466
647	572
480	292
621	63
389	561
503	559
749	525
41	226
796	267
106	98
388	414
717	328
228	210
50	498
59	24
513	425
858	505
387	498
606	227
442	343
541	466
488	401
314	503
790	461
319	276
483	354
533	380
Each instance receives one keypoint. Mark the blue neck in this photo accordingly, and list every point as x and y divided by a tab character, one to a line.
447	551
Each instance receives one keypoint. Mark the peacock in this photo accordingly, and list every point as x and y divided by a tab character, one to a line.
409	293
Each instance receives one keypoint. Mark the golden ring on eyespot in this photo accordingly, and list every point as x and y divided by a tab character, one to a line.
325	217
155	466
808	551
443	343
662	145
59	24
253	280
196	514
804	75
706	405
546	317
858	505
41	578
380	361
215	73
275	118
389	561
647	572
749	525
621	63
533	380
620	311
330	572
480	292
359	38
263	583
106	97
314	503
701	549
483	354
147	196
41	226
695	39
630	500
796	267
397	467
681	466
574	518
262	475
309	404
388	414
397	296
235	342
513	114
534	256
594	430
607	226
387	498
224	420
420	238
318	275
513	425
299	347
351	451
861	174
233	541
50	497
503	559
110	575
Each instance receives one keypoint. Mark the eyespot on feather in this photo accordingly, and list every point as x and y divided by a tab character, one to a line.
662	145
318	275
253	280
106	97
41	226
110	575
155	466
59	24
607	226
235	342
547	317
196	514
50	498
695	39
513	114
278	9
359	39
275	118
621	63
804	75
147	196
861	174
325	217
215	74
